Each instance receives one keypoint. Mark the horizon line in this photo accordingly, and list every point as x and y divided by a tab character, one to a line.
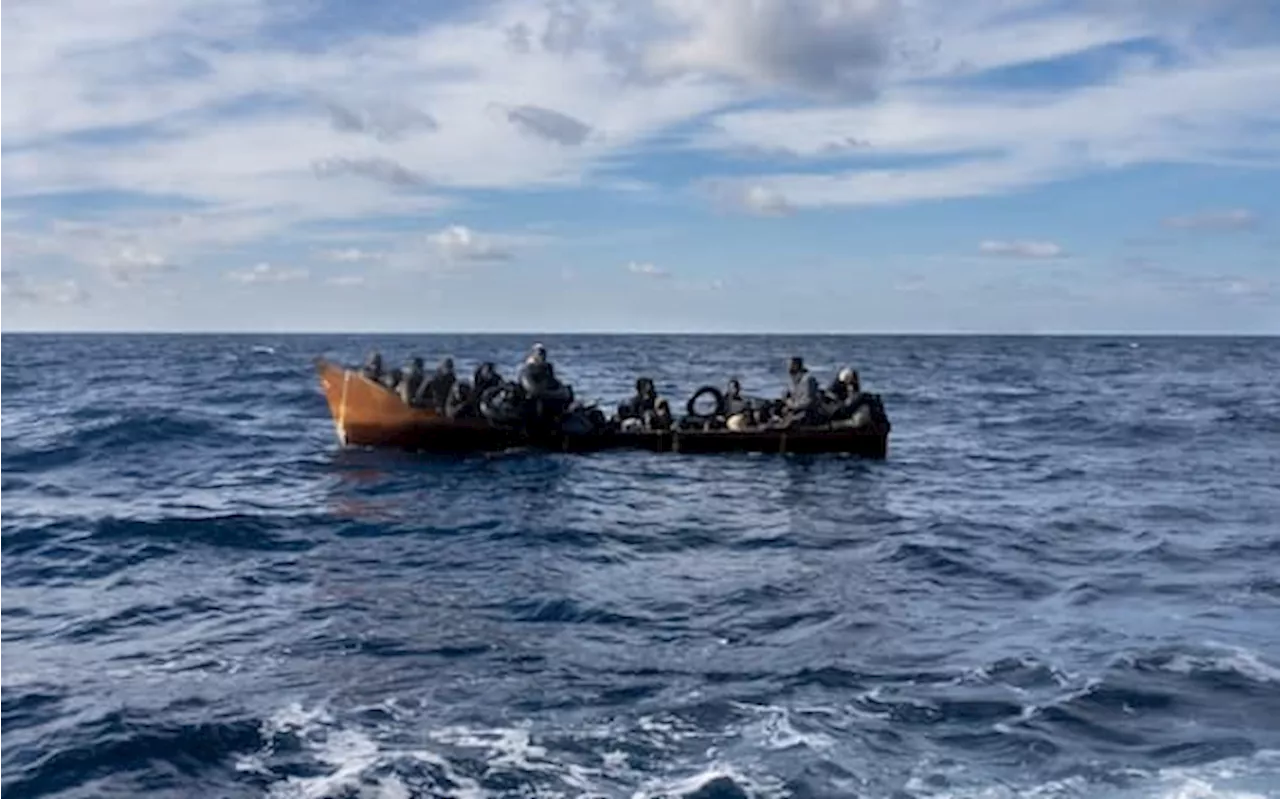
742	333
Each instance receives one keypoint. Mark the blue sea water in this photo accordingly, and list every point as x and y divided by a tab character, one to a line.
1064	580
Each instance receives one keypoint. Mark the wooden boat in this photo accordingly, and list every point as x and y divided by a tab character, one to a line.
367	413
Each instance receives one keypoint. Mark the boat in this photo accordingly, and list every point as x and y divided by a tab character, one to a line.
368	414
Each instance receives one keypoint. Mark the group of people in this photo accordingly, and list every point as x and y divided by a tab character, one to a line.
445	393
804	402
537	396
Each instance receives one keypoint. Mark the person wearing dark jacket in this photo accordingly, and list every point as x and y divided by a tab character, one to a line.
537	375
411	381
803	396
734	402
644	401
434	393
485	378
372	368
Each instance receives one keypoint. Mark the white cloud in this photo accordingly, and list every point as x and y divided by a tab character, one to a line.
1021	249
999	142
646	269
24	290
266	273
353	255
461	243
131	264
1221	220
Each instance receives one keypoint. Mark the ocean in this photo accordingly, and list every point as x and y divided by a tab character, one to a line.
1063	581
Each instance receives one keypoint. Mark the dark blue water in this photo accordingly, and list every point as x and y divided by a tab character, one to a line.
1063	581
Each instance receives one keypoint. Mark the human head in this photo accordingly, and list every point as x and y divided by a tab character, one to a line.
644	387
735	388
415	363
539	353
662	407
795	366
374	360
446	365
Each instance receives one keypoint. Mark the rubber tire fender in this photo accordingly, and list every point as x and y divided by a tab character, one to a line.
713	391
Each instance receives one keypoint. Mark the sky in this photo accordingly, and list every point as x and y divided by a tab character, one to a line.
897	166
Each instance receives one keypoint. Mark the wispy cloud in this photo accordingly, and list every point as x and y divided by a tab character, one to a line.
461	243
1217	220
267	273
353	255
1021	249
646	269
548	124
25	290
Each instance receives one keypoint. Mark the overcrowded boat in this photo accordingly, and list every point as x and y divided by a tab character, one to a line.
410	409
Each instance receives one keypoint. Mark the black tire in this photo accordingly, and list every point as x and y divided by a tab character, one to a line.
713	391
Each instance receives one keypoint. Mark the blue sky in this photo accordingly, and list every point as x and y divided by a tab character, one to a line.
703	165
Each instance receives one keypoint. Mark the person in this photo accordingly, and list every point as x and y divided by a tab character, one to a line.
411	380
537	375
644	401
546	398
461	402
486	377
803	395
372	368
845	394
845	387
734	402
434	393
660	417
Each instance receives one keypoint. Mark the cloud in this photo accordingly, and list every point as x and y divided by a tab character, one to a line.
22	289
1215	220
132	264
460	243
353	255
266	273
980	142
1021	249
551	125
647	270
836	48
387	123
383	170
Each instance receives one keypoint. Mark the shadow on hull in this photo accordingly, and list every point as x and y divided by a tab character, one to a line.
366	413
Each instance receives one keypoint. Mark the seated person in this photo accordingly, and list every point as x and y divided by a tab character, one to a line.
434	392
845	387
846	394
372	368
734	402
486	377
660	417
411	381
461	403
644	401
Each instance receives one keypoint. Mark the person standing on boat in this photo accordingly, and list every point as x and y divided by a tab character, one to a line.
546	397
803	395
